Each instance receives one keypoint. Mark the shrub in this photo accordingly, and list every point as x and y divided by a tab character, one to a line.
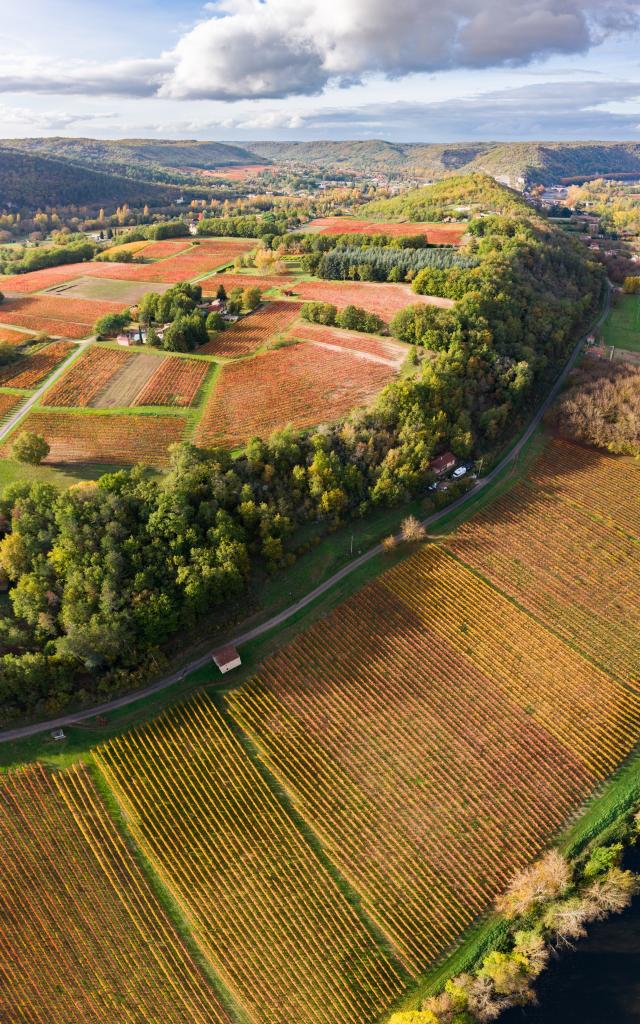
548	878
412	529
109	325
30	448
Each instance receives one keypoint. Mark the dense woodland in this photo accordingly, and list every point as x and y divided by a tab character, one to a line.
106	573
602	407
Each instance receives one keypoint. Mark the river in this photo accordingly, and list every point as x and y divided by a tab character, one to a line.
599	983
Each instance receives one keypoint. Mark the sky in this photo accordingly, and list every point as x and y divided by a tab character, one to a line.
401	70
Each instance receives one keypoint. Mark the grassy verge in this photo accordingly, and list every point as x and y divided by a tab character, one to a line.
12	472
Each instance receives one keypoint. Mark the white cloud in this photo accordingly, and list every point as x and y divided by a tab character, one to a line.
277	48
47	120
261	49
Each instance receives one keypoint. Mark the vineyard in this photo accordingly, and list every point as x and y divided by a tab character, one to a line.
8	403
175	382
30	370
385	300
265	912
88	376
52	314
8	336
382	350
38	280
110	439
252	331
437	234
547	543
299	384
77	912
434	737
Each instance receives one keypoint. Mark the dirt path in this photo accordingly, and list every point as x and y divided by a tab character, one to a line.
23	732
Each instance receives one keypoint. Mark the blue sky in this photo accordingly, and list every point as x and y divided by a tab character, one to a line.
404	70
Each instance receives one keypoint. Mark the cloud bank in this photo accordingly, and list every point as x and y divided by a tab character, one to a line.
271	49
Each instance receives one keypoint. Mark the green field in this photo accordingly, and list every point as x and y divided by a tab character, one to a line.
622	326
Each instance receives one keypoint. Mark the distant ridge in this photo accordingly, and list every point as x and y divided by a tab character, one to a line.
519	164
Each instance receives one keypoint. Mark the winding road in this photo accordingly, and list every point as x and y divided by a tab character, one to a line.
23	732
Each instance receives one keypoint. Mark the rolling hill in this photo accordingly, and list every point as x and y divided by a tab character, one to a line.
30	180
519	164
140	159
474	192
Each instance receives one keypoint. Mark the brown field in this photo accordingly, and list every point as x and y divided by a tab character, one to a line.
8	403
232	280
175	382
166	247
383	299
437	234
368	346
30	370
300	384
128	381
125	292
112	438
253	330
87	377
232	173
8	336
71	318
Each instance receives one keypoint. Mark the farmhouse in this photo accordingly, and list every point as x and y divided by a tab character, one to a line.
227	658
443	463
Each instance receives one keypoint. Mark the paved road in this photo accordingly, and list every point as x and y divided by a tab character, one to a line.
161	684
22	411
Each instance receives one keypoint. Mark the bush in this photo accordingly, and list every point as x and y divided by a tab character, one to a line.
110	324
30	448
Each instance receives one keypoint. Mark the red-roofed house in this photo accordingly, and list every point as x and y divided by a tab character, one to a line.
227	658
443	463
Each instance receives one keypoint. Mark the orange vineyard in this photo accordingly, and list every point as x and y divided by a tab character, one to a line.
301	384
435	738
77	913
112	439
265	912
253	330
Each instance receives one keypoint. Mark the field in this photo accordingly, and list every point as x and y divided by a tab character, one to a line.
383	299
8	336
175	382
38	280
110	439
8	403
567	556
249	280
233	173
30	370
88	376
622	326
264	910
301	385
71	318
77	913
434	737
380	350
124	292
437	234
253	331
107	378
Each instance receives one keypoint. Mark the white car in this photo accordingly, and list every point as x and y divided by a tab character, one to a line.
459	472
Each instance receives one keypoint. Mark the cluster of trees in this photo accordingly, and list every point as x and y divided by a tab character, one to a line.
105	574
615	202
381	264
601	406
267	226
452	198
547	908
39	258
177	307
351	318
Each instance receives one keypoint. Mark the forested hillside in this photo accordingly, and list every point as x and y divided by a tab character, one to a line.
518	163
449	197
33	181
144	159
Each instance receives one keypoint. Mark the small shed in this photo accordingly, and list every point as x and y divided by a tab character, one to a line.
443	463
58	734
227	658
